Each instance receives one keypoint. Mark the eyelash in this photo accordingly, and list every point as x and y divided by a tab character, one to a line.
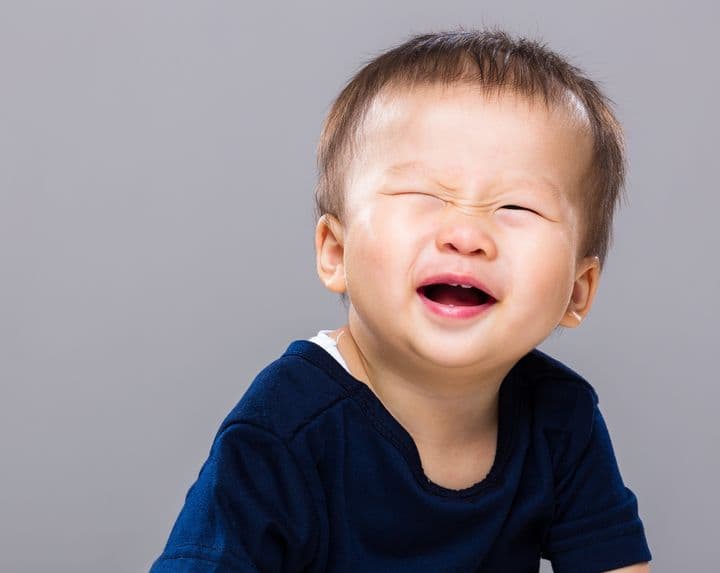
420	194
512	207
517	207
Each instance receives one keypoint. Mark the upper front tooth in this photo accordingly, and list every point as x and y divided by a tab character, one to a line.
462	286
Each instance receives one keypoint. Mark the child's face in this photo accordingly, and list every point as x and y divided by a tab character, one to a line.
431	195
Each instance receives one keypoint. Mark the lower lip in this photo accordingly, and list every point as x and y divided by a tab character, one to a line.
449	311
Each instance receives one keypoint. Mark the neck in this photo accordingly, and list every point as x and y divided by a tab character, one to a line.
441	410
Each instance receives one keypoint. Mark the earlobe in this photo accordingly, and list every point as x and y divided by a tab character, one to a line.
329	253
583	295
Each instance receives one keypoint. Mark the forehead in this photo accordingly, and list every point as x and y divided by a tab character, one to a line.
390	100
461	135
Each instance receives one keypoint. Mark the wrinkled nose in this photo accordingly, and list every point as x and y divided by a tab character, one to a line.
465	232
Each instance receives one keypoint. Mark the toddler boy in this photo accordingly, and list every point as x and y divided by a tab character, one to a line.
467	184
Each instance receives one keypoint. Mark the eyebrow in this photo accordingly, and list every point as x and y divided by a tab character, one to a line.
422	169
400	168
417	167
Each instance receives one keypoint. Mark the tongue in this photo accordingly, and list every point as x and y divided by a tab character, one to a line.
446	294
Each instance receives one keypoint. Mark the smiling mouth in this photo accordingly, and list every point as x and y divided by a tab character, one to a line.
455	295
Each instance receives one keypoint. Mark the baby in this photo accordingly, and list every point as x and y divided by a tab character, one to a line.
467	184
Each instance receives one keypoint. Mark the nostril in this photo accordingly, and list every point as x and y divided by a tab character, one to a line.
452	247
466	239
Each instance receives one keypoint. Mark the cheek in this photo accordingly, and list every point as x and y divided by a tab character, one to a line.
372	245
382	228
546	264
381	252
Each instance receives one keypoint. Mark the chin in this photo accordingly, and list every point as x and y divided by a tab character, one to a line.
450	355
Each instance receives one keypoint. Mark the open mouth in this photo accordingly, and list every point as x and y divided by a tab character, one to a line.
455	295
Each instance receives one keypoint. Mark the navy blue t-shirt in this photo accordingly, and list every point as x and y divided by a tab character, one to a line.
310	472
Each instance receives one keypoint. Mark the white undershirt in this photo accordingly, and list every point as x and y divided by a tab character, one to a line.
322	339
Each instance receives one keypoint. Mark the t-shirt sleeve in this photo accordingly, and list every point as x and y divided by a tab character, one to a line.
596	526
250	510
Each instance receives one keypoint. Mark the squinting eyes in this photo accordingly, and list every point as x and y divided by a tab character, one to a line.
441	201
517	207
420	194
428	195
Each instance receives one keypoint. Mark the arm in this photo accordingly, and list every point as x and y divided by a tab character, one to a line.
596	527
250	510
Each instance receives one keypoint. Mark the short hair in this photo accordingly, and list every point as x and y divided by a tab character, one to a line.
497	62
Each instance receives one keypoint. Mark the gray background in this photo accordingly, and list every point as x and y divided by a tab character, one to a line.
156	248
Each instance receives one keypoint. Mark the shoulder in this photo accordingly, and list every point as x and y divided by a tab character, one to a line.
554	388
563	404
288	393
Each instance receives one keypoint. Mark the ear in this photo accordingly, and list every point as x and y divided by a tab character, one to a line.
329	253
583	295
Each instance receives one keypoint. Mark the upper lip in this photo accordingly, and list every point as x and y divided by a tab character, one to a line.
457	278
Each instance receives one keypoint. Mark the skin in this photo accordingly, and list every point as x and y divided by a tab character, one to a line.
466	159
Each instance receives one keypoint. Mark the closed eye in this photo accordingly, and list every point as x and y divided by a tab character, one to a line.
419	194
518	208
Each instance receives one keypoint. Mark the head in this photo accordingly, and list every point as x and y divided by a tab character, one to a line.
475	152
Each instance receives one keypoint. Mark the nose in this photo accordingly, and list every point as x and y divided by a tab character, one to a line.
465	232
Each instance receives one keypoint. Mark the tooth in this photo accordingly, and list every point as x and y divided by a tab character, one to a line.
466	286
